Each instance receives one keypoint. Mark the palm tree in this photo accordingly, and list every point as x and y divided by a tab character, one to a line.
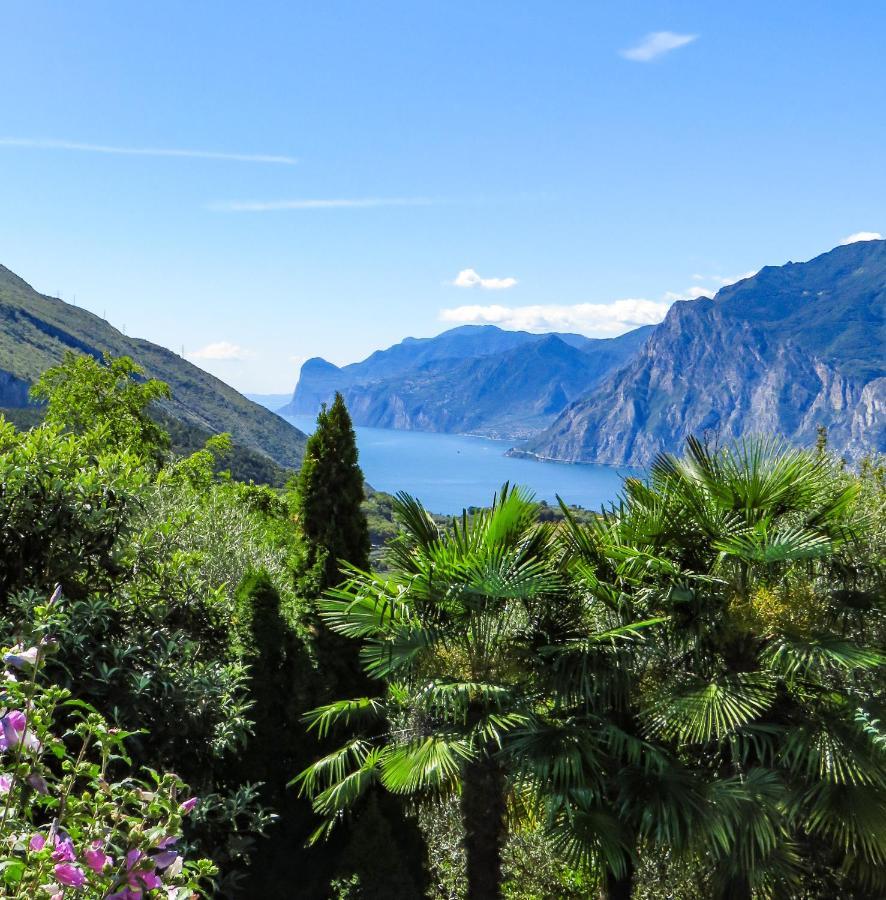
447	628
463	628
611	788
768	677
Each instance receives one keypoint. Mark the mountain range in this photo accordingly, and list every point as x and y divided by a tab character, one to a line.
476	379
784	351
36	330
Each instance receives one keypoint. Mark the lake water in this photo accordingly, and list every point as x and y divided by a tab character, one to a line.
448	472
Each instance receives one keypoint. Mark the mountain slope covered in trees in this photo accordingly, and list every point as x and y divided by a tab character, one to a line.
787	350
36	330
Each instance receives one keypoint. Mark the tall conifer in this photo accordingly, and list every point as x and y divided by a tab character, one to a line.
330	491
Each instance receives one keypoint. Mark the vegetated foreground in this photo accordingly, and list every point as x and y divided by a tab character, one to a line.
220	686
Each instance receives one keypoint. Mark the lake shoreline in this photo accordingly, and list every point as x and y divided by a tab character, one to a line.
452	472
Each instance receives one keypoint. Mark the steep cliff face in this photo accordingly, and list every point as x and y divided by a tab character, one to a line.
500	383
783	352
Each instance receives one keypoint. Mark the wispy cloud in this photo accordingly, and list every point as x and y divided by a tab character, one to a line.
470	278
657	44
221	350
717	281
861	236
342	203
600	319
41	144
693	293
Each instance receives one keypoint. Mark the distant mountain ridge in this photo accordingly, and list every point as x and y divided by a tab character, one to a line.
472	379
35	330
782	352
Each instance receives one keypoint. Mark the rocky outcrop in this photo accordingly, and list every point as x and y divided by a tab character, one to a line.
478	380
781	353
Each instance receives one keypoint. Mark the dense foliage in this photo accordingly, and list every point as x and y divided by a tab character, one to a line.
679	697
693	680
72	817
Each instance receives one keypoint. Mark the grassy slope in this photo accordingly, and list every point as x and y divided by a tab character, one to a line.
36	330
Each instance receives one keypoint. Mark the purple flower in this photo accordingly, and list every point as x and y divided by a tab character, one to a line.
164	859
38	783
56	595
5	784
70	876
132	857
64	851
168	841
37	842
15	732
13	724
96	858
21	659
187	806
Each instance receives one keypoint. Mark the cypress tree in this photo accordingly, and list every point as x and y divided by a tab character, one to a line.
278	672
380	847
329	494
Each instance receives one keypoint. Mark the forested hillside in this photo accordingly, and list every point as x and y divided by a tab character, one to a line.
36	331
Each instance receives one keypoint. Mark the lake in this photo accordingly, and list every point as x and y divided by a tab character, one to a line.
448	472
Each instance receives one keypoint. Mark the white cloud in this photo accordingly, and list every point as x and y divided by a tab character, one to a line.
221	350
656	44
40	144
861	236
343	203
469	278
601	319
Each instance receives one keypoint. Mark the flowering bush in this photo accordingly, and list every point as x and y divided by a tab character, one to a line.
72	821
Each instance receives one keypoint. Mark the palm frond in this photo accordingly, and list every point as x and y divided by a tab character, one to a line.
797	655
397	650
699	711
827	752
343	712
428	764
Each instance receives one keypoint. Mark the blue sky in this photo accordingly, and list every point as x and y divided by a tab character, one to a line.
358	172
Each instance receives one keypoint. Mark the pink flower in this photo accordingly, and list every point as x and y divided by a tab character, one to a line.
150	880
5	784
37	843
70	876
64	851
96	858
187	806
